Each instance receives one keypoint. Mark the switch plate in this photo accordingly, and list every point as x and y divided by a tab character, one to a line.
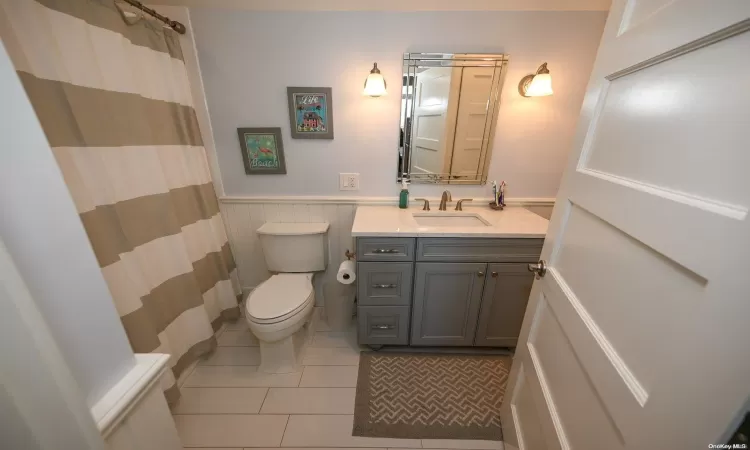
348	181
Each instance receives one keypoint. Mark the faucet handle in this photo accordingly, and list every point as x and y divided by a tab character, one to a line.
426	206
459	204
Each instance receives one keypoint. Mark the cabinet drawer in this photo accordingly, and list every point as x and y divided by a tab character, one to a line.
385	249
383	325
479	250
384	283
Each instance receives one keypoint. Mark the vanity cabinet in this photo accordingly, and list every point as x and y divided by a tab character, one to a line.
443	291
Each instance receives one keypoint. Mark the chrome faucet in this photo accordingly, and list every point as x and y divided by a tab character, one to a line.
444	200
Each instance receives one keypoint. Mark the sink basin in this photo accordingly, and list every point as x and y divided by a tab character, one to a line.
450	220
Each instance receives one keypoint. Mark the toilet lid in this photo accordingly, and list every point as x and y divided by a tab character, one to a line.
279	296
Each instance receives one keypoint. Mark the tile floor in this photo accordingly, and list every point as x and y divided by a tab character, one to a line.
227	404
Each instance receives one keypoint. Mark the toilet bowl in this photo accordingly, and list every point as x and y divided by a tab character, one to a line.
279	313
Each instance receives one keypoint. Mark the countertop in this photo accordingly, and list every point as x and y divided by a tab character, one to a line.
391	221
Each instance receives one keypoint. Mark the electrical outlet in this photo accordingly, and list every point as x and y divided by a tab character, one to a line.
348	181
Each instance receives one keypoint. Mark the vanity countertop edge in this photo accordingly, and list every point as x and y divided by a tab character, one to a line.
391	221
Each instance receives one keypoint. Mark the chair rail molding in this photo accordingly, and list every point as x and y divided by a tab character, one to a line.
369	201
117	403
243	215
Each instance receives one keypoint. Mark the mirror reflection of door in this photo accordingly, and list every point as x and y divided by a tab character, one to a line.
473	104
435	104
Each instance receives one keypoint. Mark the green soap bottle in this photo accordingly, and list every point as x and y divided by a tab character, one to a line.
403	197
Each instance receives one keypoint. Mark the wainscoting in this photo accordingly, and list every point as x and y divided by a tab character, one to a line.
244	215
242	219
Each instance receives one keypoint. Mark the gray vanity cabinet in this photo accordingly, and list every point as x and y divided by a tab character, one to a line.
443	291
447	297
506	292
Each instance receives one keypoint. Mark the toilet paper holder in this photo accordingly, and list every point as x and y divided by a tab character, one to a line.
350	255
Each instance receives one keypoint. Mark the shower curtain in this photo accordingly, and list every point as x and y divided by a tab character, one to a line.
111	92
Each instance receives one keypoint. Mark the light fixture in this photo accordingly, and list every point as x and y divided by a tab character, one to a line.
536	85
375	83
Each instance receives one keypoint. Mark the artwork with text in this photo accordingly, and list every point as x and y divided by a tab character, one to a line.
311	113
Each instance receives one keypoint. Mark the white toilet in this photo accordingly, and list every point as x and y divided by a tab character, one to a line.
279	310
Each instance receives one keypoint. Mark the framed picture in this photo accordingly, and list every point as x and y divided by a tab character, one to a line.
262	150
310	112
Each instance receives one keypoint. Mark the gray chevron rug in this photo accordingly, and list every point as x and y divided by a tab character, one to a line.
418	396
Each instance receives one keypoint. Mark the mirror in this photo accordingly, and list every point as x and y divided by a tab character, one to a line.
449	105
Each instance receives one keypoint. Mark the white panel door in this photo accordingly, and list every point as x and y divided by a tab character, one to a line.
433	122
637	337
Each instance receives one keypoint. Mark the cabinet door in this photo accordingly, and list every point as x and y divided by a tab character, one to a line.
503	304
446	303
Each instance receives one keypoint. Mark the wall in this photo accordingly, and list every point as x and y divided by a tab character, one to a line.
45	238
248	58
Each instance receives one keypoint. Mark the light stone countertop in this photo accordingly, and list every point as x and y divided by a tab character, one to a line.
390	221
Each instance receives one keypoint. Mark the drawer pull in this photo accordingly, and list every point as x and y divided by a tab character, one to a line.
384	286
385	250
383	327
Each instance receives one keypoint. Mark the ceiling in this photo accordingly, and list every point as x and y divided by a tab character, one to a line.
395	5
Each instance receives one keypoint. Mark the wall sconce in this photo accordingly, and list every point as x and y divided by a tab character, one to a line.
536	85
375	83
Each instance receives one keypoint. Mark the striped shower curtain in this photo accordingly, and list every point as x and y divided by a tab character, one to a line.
112	95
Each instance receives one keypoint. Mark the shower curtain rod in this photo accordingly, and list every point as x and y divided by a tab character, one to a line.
173	24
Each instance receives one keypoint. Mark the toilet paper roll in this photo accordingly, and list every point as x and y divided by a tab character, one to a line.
347	272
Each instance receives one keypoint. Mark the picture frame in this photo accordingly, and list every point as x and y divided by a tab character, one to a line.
310	112
262	151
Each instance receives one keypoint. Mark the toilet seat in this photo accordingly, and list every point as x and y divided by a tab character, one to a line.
279	298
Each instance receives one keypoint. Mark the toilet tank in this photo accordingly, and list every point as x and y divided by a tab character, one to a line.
294	247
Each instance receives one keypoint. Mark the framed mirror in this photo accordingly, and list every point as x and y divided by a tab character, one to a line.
449	108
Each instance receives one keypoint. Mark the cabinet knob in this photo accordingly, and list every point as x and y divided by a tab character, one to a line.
494	274
480	274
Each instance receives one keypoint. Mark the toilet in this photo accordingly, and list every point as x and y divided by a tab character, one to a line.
279	310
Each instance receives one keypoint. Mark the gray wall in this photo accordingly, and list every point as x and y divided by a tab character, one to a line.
248	58
44	236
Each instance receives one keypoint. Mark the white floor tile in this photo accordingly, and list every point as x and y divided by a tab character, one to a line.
309	401
453	444
220	401
237	338
332	356
231	430
186	374
239	376
335	339
320	320
334	431
233	356
329	376
239	324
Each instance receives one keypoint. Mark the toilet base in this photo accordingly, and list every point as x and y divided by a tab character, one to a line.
285	355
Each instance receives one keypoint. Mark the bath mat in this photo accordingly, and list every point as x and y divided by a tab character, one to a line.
418	396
